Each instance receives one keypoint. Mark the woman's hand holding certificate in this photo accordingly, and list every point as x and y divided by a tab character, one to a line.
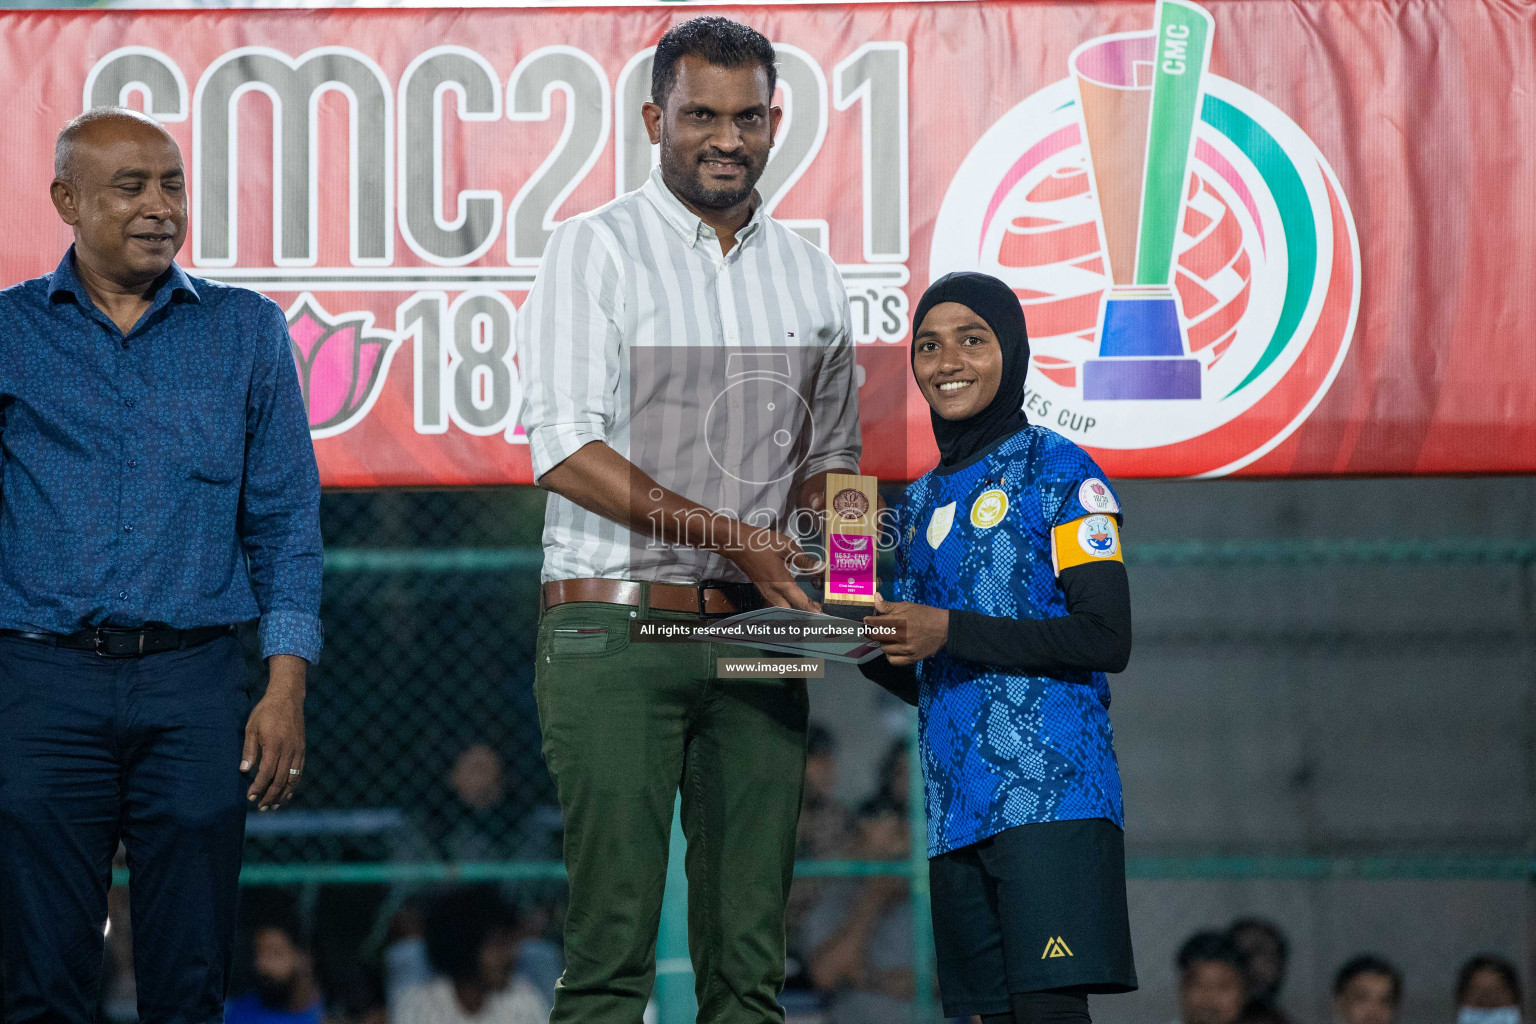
926	629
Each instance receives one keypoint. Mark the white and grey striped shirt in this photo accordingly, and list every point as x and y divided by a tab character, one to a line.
727	378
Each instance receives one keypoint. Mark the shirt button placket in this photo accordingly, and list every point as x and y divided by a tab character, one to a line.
727	299
126	487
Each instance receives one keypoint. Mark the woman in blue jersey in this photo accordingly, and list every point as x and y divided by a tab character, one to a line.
1013	594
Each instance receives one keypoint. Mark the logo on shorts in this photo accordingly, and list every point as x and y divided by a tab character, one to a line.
1096	536
1184	253
1054	948
989	509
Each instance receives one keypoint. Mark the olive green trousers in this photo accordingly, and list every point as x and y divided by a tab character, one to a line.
627	724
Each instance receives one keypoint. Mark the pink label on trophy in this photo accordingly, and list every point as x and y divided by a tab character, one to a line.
851	565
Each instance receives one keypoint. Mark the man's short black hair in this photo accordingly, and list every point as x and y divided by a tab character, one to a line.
1212	947
1268	929
819	741
1368	963
457	924
716	40
286	921
1487	962
889	781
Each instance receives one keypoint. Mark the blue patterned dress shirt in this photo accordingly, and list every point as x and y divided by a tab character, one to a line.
162	476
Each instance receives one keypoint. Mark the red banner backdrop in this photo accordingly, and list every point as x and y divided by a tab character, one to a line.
1254	237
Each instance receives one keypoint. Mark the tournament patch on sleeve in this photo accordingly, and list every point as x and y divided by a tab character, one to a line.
1095	496
1094	538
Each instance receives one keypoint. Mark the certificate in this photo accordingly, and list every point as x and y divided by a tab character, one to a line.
790	631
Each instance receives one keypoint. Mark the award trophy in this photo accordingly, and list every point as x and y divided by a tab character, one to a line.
1140	96
851	504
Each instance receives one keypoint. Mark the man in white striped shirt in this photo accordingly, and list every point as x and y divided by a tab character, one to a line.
689	381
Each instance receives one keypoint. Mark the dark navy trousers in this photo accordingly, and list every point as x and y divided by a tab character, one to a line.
146	750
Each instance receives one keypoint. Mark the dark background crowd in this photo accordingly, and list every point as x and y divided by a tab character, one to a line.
1268	710
490	953
1237	976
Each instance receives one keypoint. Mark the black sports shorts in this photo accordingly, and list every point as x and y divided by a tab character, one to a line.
1034	907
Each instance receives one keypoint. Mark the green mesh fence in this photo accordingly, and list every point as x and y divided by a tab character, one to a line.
423	736
424	762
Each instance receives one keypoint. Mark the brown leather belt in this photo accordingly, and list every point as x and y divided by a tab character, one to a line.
707	598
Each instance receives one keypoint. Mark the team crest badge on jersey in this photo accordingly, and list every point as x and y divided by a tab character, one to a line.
1096	496
939	523
989	509
1096	535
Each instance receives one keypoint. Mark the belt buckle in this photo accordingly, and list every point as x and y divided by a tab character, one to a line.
698	590
104	635
727	588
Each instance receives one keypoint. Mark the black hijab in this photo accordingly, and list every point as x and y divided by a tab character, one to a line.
995	303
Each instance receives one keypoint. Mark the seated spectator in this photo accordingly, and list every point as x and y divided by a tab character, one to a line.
825	832
539	959
481	818
825	825
860	932
405	952
1213	979
119	989
1367	990
480	823
343	917
283	986
471	941
1487	991
1266	951
895	782
406	965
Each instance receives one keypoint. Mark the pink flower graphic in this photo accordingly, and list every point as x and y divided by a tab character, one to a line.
341	366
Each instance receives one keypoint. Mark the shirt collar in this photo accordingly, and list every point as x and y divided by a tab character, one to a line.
172	284
686	222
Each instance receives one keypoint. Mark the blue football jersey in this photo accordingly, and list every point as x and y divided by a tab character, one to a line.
1001	748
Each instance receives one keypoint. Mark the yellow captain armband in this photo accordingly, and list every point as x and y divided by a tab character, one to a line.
1093	538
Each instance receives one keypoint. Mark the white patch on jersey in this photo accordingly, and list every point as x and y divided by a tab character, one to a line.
1096	535
1096	496
939	523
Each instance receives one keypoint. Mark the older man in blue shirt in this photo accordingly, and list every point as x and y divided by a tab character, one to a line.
157	486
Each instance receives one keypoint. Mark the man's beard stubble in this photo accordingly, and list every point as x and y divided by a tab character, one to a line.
683	176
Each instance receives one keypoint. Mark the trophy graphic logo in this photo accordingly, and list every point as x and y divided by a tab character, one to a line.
1185	256
1140	93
